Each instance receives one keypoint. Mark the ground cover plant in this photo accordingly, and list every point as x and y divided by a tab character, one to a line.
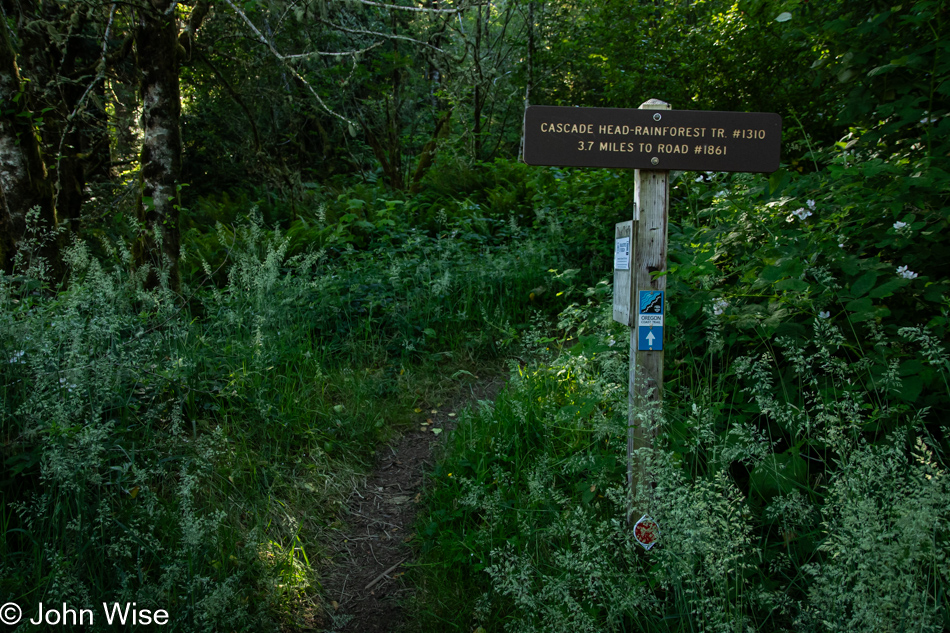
801	471
188	455
801	466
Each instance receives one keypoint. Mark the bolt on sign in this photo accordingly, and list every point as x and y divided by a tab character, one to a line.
689	140
653	140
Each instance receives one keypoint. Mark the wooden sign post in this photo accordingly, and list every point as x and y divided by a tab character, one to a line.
652	140
651	213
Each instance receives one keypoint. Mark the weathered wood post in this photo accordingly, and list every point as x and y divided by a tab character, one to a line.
651	220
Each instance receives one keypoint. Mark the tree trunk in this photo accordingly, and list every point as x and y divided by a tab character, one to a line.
529	80
122	97
478	103
427	155
58	60
24	180
157	57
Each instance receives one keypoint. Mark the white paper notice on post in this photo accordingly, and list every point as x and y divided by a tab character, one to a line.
622	253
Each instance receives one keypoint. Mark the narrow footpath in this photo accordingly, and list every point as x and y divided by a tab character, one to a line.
365	587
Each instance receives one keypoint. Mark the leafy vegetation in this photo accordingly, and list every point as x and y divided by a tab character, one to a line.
204	337
800	474
200	449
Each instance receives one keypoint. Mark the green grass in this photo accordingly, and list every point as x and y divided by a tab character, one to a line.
526	529
190	456
801	473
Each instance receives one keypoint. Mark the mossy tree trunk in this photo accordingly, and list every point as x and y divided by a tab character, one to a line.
53	139
156	42
24	179
160	51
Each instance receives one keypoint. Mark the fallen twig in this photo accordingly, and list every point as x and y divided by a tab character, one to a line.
383	575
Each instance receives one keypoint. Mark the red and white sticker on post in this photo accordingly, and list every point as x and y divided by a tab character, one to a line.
646	531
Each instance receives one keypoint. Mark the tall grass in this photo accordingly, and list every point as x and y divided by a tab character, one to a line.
527	530
190	455
800	475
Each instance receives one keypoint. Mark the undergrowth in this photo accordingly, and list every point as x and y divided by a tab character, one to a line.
190	454
527	524
800	472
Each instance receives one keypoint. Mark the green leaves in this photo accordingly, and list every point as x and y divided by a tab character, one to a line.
888	288
779	474
795	285
778	180
863	284
785	267
589	345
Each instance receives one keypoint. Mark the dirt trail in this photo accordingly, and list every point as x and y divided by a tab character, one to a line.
365	586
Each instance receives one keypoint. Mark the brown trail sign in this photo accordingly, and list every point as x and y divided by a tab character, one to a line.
652	140
689	140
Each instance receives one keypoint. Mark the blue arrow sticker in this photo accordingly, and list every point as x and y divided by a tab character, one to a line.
650	339
650	321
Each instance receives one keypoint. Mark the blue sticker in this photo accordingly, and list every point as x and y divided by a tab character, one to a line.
650	339
651	302
650	321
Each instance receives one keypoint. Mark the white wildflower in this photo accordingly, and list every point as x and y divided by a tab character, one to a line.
811	204
824	314
719	306
801	213
899	225
904	272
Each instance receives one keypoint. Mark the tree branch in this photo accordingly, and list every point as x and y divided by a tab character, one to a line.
187	37
402	8
293	71
388	36
325	54
70	119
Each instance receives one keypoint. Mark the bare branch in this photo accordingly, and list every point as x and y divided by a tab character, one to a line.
324	54
290	7
70	120
402	8
283	60
388	36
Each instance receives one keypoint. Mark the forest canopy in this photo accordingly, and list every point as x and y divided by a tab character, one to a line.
125	105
